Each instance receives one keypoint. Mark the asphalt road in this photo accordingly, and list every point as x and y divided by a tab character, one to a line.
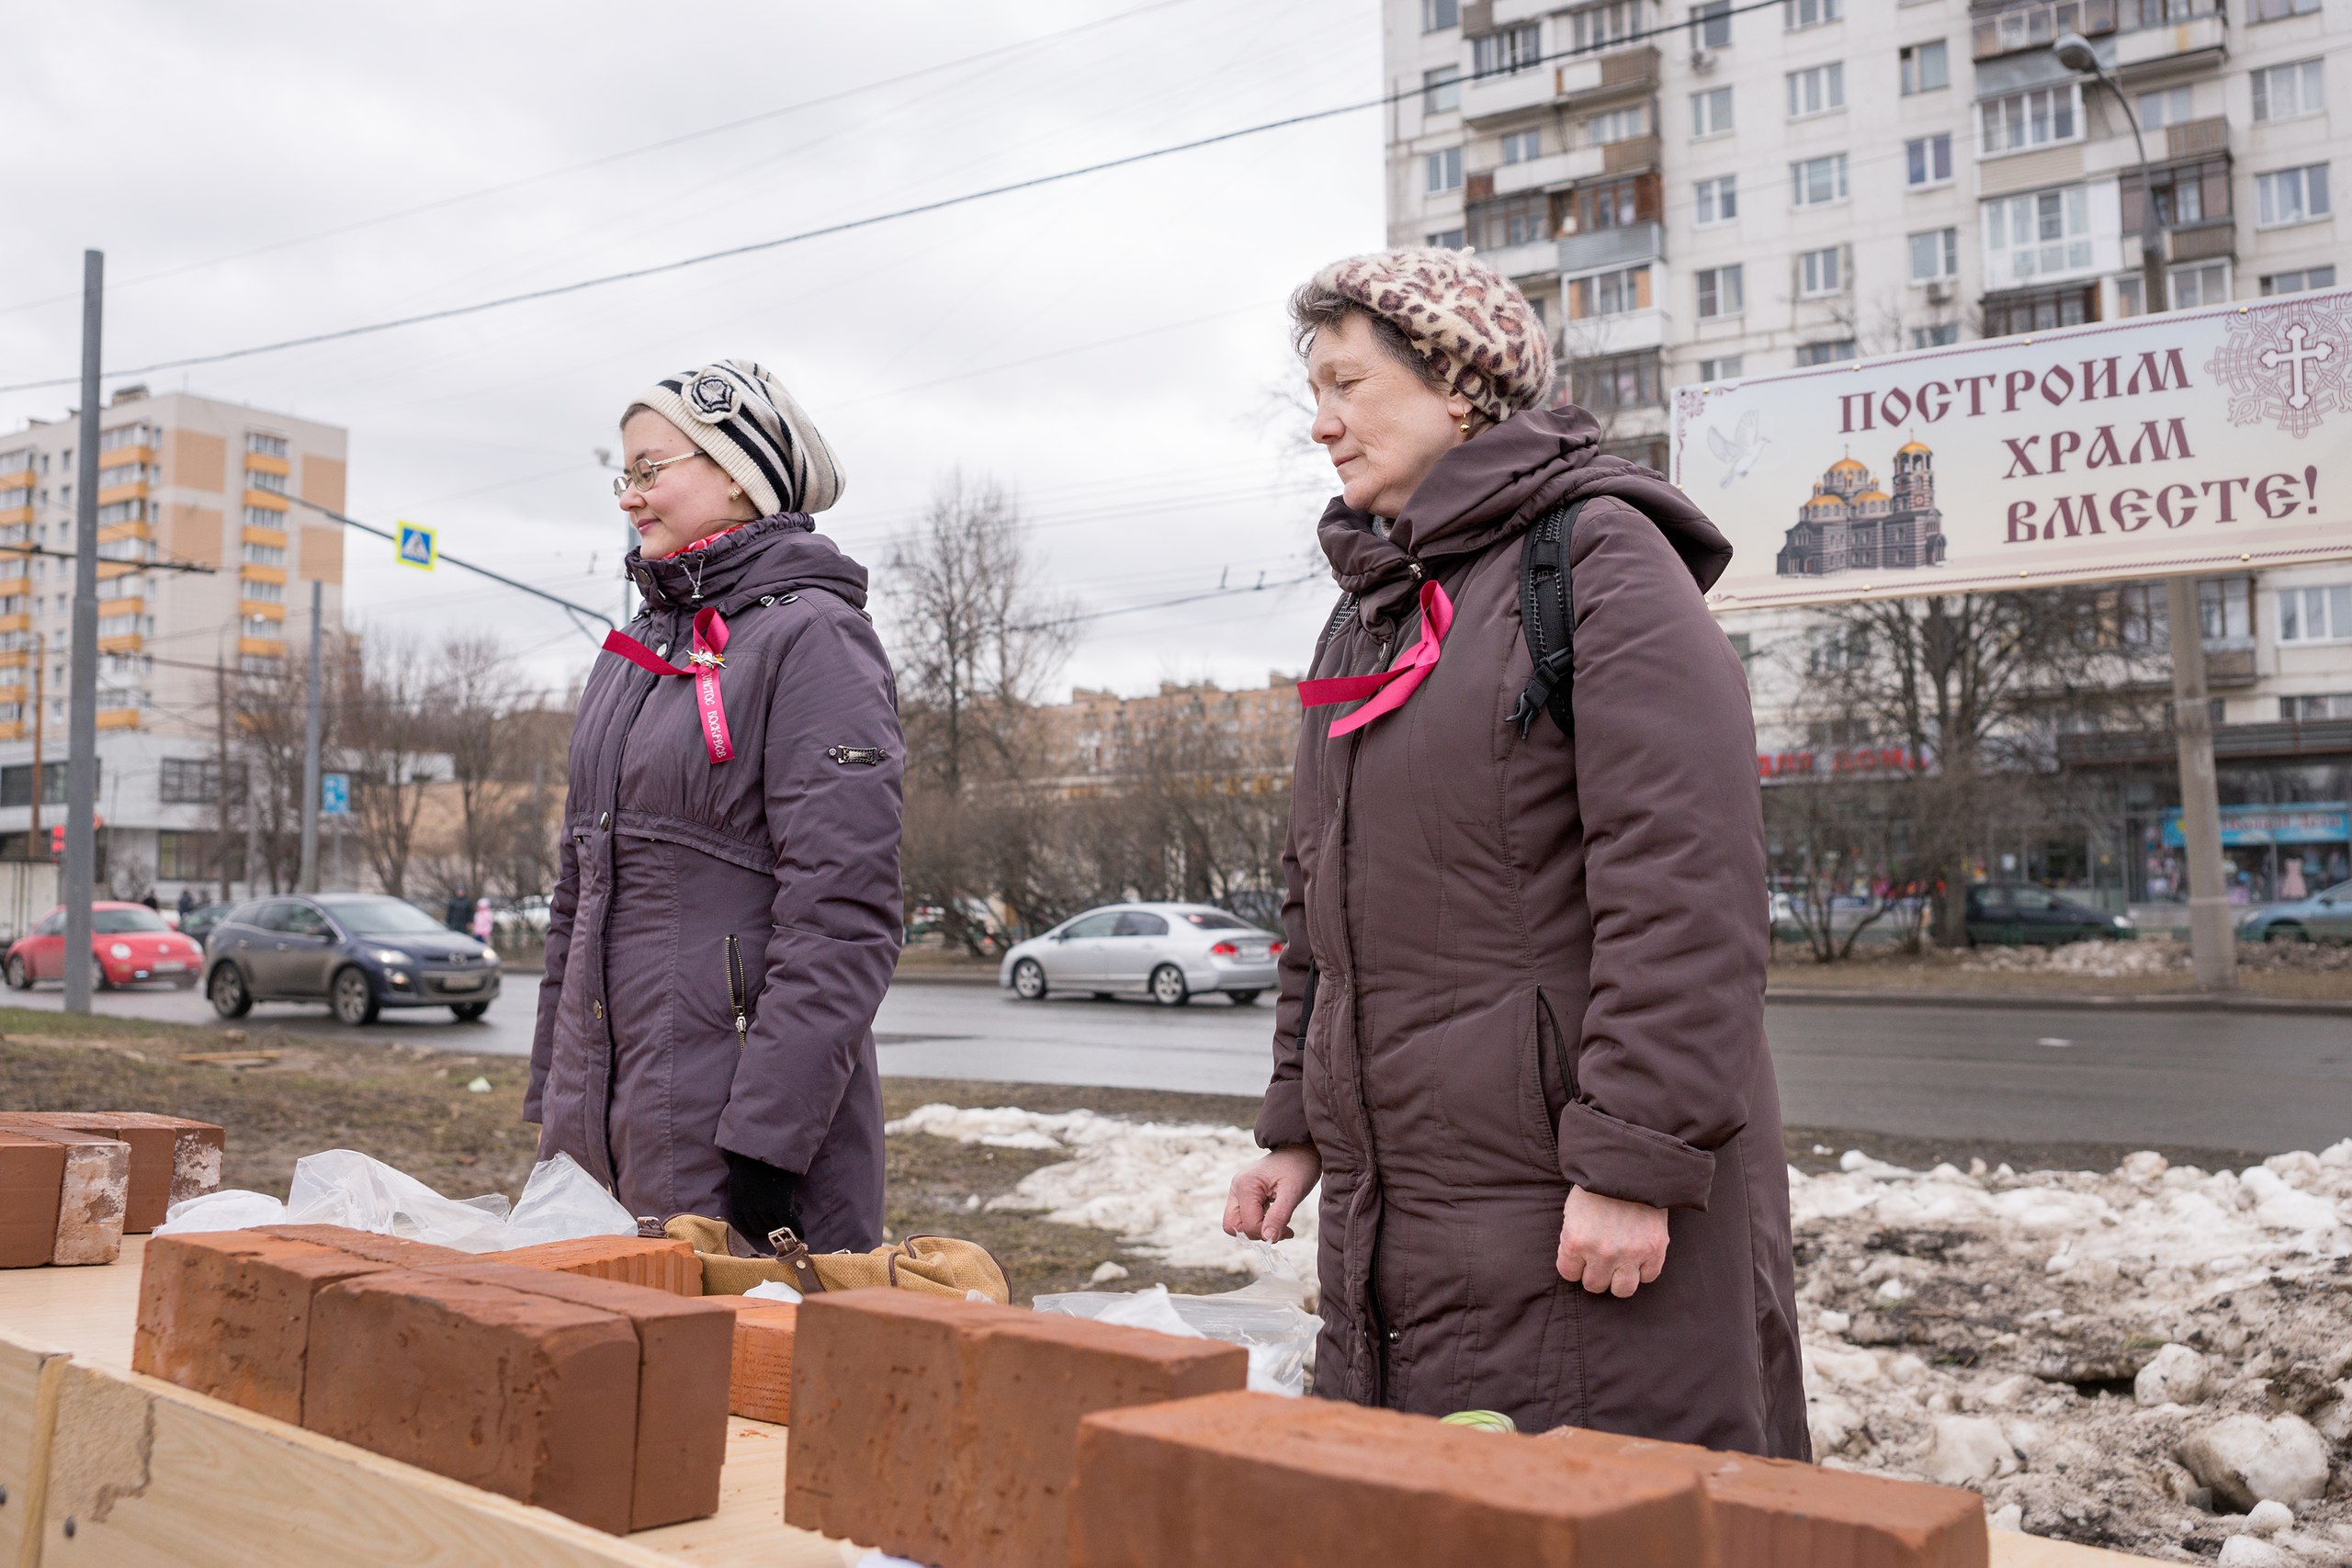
2223	1080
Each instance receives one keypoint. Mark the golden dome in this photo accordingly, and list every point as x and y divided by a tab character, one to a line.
1871	495
1911	446
1848	466
1823	500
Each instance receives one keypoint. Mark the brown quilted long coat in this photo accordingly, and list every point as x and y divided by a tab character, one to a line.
1538	963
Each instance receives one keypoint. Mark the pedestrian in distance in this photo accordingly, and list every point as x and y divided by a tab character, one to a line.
726	915
1520	1040
188	902
459	909
484	921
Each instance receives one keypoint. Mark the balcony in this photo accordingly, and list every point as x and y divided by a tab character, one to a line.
1630	156
1485	97
2173	43
1537	258
1587	76
1544	173
1629	331
1597	249
261	646
118	719
2035	27
2283	740
2196	138
1629	70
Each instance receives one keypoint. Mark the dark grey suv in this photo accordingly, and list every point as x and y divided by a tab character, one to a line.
355	952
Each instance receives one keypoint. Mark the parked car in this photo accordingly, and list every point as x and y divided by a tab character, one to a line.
2018	914
199	923
1170	953
2324	917
129	944
356	952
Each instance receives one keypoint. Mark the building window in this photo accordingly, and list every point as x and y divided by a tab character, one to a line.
265	445
189	781
2166	105
265	593
1821	272
134	510
2041	118
1624	382
2032	236
1518	220
1721	292
1942	336
2333	704
273	483
1444	170
121	436
2040	312
1935	256
2273	10
1836	350
1717	200
1711	112
1618	125
262	626
2296	282
1817	182
1611	204
1610	293
1598	27
2292	196
1927	160
261	555
2315	614
1711	24
2194	285
1513	49
1446	239
1818	89
1727	368
1925	68
1442	90
263	517
2186	194
1438	15
1812	13
1522	147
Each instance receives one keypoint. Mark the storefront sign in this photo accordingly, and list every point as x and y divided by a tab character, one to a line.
2328	823
2200	441
1776	767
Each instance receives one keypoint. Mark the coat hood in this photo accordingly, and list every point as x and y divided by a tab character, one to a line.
1494	487
777	554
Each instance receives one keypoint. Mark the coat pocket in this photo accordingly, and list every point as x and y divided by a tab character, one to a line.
738	992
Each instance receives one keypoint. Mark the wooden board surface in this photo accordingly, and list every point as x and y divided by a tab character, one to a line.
30	1376
151	1473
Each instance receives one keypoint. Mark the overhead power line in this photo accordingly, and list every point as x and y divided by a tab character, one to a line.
567	605
851	225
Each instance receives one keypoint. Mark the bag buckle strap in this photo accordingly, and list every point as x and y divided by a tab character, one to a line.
793	1252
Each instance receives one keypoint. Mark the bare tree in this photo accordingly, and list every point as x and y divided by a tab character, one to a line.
478	692
390	736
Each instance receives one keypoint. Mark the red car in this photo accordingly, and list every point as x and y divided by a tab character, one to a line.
129	944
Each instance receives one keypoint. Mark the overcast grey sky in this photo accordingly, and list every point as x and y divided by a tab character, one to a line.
1105	347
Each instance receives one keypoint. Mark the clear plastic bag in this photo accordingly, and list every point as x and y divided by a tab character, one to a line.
343	1187
1262	1317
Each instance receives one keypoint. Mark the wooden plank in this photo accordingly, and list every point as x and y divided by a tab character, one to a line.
2012	1550
88	1311
30	1376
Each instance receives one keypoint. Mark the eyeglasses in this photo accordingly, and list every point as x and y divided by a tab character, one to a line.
640	476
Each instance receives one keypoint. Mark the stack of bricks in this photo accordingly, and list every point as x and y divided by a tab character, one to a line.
977	1436
73	1183
601	1400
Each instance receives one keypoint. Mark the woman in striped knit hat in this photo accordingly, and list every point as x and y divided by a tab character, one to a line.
728	913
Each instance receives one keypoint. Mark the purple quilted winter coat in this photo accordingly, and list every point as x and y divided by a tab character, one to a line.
767	884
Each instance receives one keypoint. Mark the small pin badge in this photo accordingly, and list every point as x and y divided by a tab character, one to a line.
856	756
706	660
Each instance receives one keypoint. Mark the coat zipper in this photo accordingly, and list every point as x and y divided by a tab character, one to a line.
735	992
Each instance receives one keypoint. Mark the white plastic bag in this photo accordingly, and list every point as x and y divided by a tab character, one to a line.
1278	1337
343	1187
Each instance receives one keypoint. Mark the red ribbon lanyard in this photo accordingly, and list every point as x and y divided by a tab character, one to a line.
1390	687
703	663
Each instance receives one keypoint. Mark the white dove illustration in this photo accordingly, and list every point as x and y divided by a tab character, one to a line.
1739	454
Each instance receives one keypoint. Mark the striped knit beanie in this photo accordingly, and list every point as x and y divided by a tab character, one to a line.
1470	322
750	425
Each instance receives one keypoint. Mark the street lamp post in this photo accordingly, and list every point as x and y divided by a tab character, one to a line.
2213	942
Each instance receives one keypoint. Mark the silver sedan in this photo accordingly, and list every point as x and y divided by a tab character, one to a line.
1168	951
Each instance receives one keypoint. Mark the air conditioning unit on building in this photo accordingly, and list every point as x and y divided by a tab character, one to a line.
1940	293
1702	62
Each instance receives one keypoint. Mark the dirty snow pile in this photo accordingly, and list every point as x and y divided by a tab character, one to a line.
2157	1359
2150	955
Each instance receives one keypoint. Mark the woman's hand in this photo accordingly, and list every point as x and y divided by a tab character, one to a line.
1263	1197
1606	1244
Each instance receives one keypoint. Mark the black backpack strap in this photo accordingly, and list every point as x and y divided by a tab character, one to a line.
1547	615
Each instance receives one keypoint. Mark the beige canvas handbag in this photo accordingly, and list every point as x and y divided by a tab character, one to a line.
932	1265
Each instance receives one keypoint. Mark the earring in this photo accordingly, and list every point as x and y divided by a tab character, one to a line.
1465	427
734	492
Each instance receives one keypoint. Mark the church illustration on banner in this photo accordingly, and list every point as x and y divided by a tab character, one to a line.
1850	525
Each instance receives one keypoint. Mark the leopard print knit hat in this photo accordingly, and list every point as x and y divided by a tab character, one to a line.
1471	324
742	416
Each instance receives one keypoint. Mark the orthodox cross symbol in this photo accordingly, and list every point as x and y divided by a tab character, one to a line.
2298	395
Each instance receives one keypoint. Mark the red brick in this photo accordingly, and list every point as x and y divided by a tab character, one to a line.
1780	1514
395	1251
1278	1482
154	1154
521	1394
759	1380
945	1431
658	1263
684	1350
32	1180
93	1194
198	1148
227	1314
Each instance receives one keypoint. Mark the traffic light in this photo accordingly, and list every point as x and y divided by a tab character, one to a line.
57	841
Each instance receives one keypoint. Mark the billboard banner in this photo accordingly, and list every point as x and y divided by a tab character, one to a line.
2198	441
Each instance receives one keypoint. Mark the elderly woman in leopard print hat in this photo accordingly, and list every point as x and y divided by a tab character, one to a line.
727	912
1521	1042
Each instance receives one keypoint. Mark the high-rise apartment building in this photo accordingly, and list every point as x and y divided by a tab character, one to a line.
1708	189
182	480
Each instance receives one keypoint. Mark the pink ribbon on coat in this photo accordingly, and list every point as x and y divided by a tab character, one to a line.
1390	687
703	663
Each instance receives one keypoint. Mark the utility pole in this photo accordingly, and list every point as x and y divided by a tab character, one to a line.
220	769
2213	941
82	691
309	880
41	701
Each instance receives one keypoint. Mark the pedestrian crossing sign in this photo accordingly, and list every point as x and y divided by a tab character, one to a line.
416	547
